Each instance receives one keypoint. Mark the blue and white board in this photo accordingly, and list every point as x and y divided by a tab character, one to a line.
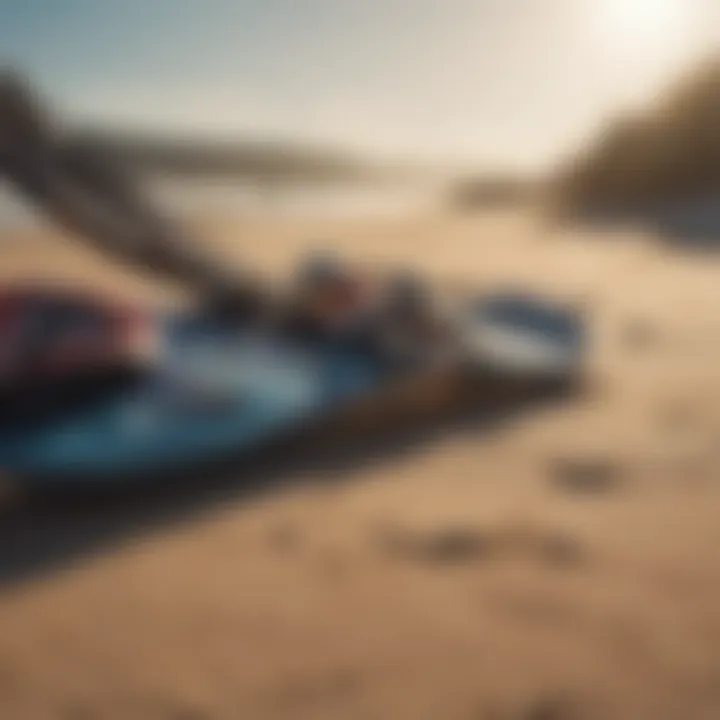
222	391
217	391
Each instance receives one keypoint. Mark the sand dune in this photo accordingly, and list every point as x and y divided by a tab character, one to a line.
561	566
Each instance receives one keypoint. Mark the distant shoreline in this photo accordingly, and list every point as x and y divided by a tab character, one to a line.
188	197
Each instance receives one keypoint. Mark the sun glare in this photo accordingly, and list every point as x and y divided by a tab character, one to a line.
643	24
643	43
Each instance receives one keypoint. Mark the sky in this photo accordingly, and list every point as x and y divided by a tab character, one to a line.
515	83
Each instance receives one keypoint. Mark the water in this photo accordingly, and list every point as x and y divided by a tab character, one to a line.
14	211
190	198
185	197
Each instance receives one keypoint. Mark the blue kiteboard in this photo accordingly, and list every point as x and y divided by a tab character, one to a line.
224	390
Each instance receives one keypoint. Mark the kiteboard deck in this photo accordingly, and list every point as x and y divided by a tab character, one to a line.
225	390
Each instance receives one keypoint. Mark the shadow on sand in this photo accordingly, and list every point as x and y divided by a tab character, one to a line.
692	226
42	532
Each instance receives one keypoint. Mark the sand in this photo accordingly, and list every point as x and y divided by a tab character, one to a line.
560	565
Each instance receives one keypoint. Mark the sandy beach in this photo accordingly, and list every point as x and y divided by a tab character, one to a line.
560	565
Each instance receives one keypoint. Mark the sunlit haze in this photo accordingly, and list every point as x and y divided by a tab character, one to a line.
514	82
